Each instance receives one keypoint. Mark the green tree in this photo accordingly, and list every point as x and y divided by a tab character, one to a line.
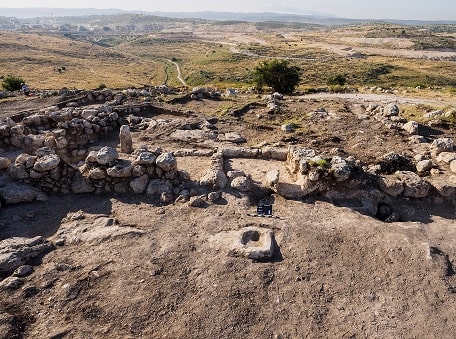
12	83
277	74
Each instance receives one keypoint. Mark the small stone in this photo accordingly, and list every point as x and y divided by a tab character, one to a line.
271	179
30	291
12	283
214	196
287	128
424	166
166	197
4	163
60	242
442	145
234	137
411	127
23	271
196	202
390	110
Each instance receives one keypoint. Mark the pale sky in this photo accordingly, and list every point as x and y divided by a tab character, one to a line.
365	9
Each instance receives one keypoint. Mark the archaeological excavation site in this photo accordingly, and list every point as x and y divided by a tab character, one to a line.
127	215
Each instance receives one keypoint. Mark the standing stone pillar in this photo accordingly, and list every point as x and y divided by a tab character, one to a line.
126	143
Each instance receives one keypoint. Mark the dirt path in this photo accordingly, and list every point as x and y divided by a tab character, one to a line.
179	74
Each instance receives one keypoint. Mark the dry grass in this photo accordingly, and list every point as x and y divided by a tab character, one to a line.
47	61
55	62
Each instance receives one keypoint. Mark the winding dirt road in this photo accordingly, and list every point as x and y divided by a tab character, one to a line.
179	74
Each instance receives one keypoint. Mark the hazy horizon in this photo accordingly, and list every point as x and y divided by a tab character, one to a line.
387	9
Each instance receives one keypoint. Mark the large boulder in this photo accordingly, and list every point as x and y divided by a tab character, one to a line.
145	159
95	229
106	155
254	243
97	173
414	186
242	184
296	157
445	188
390	110
122	169
166	161
234	137
139	185
240	152
391	185
159	186
442	145
274	153
214	178
46	163
446	157
340	169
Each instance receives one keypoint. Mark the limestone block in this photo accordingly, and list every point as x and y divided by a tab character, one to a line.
242	184
414	186
424	165
166	161
46	163
126	142
139	185
214	178
106	155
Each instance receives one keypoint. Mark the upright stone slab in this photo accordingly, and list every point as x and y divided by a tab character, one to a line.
126	142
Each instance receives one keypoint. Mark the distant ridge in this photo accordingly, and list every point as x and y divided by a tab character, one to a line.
323	19
28	13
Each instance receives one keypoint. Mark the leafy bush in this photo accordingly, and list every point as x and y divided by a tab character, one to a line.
337	80
12	83
101	86
277	74
375	72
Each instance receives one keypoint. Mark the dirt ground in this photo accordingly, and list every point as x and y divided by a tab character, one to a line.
166	272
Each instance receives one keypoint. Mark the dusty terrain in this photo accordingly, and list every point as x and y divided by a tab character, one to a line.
165	270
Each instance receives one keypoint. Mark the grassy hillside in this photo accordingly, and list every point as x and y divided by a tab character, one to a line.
225	54
46	61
